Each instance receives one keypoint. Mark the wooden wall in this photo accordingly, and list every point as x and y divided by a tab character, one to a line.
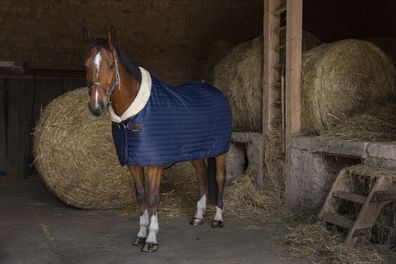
21	102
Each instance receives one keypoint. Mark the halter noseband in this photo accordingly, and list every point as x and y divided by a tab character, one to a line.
115	83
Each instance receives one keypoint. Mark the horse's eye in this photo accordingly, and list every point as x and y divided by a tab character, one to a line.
111	66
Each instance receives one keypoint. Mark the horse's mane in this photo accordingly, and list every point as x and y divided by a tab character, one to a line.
131	67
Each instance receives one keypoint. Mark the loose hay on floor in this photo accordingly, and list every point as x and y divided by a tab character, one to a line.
179	192
318	245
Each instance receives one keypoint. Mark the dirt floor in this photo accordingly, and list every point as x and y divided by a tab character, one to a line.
35	227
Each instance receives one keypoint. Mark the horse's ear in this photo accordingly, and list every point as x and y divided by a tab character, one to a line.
111	35
85	34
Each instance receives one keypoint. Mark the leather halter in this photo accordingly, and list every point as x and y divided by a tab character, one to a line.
115	83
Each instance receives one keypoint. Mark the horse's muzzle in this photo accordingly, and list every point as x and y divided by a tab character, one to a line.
98	109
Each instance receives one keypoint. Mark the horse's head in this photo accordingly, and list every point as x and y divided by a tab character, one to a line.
102	71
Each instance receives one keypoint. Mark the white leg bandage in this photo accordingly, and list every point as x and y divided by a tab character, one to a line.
219	214
144	222
201	207
153	229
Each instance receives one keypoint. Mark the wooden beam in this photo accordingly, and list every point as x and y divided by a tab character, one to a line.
293	67
41	72
293	87
271	23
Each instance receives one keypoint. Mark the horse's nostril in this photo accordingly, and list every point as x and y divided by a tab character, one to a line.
96	109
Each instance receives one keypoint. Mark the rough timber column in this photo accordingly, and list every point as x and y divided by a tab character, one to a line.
293	85
271	62
272	96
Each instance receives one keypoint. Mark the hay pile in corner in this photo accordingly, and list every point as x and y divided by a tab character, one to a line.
314	243
76	158
239	76
343	78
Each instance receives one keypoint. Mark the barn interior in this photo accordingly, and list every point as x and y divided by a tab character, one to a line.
41	58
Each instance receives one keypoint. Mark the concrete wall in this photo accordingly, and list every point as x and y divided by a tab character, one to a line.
316	162
171	38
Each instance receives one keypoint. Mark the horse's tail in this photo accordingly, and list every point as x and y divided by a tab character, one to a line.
212	183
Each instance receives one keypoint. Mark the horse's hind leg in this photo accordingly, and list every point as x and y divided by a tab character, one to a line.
138	178
200	169
153	200
220	179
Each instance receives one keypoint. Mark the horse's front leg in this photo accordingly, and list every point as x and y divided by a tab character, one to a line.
153	200
138	178
200	169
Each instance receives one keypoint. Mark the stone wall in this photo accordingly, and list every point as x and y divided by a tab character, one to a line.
171	38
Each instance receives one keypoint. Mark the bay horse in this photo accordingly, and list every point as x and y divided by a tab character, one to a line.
155	125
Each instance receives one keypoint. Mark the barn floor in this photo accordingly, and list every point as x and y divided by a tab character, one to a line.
37	228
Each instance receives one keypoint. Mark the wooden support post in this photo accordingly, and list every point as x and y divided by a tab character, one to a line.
293	84
271	62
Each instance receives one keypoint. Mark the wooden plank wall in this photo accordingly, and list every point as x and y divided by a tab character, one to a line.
21	102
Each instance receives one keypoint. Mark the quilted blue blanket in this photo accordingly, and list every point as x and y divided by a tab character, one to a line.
187	122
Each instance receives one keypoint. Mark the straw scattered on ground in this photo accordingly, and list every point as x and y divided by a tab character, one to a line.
179	191
313	242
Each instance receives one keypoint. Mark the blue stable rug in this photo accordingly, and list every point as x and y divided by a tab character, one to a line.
187	122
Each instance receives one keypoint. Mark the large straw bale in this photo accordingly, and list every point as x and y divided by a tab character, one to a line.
343	78
239	76
76	158
338	79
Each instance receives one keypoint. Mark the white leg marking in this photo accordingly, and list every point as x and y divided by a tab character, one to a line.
201	207
97	60
144	222
219	214
153	229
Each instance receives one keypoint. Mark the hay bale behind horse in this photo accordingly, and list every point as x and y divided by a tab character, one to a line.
339	79
239	76
75	155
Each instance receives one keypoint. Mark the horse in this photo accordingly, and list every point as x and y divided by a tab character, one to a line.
155	125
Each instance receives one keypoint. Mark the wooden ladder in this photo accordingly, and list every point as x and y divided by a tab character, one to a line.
383	190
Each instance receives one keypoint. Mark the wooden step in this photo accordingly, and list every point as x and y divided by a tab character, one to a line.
371	172
338	220
353	197
383	196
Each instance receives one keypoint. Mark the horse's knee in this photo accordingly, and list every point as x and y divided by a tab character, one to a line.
153	202
140	197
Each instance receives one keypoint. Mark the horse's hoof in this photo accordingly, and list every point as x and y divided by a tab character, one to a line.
197	221
217	223
149	248
139	241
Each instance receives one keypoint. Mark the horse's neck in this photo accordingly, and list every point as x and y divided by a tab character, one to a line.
123	96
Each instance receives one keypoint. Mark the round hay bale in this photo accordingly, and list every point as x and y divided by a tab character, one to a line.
76	158
239	76
218	51
343	78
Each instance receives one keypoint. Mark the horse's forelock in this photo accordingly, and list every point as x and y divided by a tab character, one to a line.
98	43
